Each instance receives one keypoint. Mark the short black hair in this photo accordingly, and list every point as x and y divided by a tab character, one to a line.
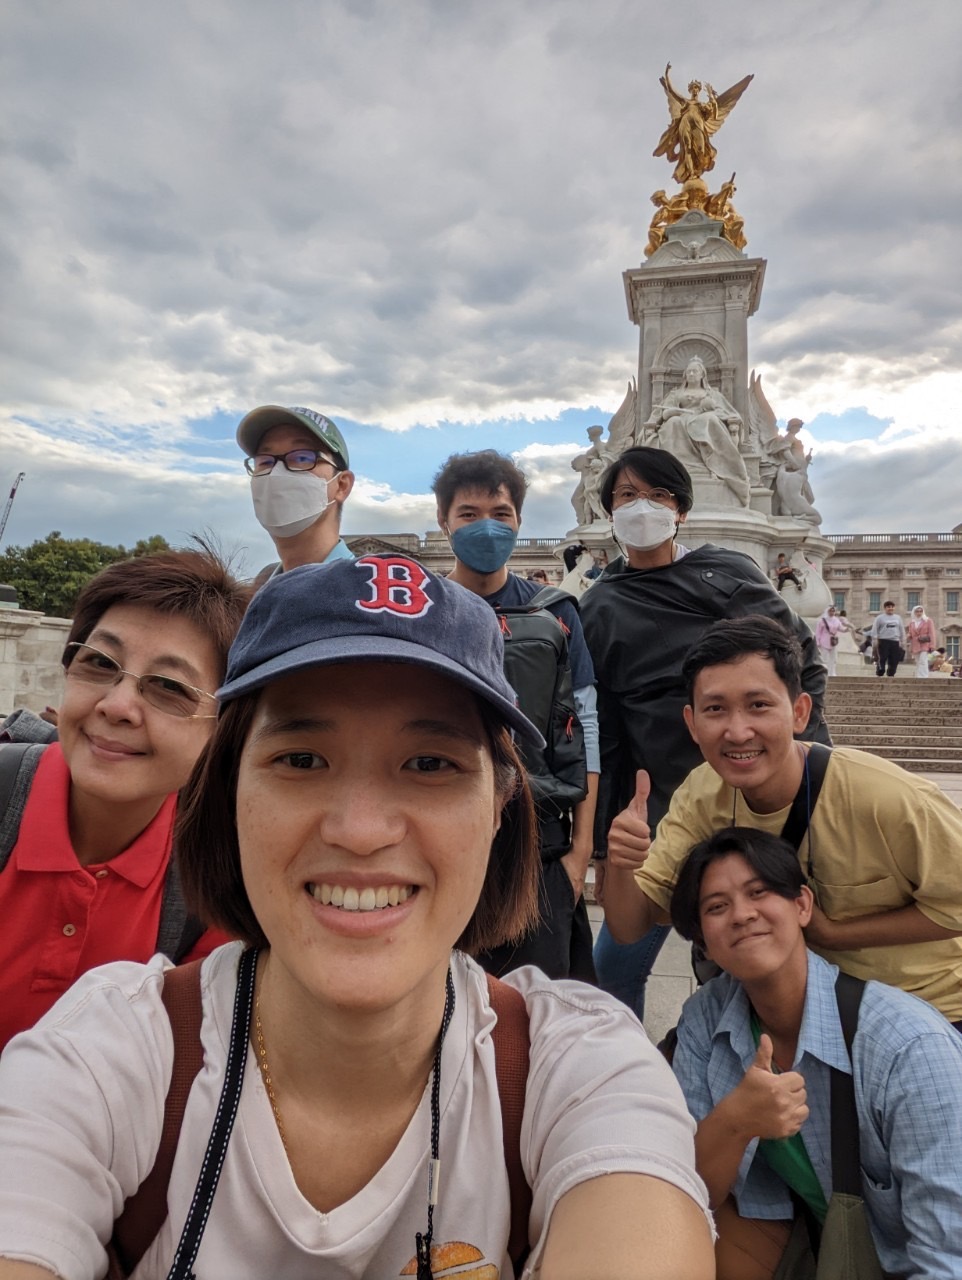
658	467
771	858
886	603
734	638
486	470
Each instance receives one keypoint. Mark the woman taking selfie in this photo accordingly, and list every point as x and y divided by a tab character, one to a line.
361	823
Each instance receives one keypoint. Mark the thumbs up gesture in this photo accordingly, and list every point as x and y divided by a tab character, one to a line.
771	1105
629	836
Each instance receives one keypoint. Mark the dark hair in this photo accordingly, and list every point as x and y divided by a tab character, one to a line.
486	470
209	857
193	584
886	603
661	469
733	638
772	859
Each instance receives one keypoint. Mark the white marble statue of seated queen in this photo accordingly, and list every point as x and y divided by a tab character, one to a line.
702	429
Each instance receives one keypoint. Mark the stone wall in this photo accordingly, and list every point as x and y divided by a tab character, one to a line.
30	648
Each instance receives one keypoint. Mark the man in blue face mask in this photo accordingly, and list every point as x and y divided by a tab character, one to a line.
479	498
300	478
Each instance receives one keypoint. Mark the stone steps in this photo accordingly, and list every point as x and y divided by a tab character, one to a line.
915	723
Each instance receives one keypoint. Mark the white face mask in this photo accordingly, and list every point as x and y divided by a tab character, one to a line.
288	502
643	525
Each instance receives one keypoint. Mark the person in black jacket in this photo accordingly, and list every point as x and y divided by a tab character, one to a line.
640	618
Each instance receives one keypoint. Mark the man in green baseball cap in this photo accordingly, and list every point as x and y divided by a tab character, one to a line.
300	478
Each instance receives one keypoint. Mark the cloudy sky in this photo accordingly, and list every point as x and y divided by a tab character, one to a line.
415	217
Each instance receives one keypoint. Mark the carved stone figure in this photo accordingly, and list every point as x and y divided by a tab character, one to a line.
793	493
687	140
590	466
783	464
699	426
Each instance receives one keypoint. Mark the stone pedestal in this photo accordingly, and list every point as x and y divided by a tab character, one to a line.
691	298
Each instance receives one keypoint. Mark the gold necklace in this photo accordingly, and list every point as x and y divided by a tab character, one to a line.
261	1049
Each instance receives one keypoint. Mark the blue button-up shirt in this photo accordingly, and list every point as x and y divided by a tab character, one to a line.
908	1093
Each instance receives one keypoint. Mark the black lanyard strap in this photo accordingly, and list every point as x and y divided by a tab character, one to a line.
200	1205
800	814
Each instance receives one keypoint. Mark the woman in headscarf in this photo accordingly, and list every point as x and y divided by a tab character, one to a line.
921	637
828	630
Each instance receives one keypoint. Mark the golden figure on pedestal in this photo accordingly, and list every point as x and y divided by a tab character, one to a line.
687	144
687	140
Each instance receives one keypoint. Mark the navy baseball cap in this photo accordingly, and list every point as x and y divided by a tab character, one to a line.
375	609
253	425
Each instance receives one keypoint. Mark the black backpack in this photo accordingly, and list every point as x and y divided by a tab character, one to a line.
538	669
178	930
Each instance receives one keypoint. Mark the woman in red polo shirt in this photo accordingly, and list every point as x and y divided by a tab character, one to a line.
86	873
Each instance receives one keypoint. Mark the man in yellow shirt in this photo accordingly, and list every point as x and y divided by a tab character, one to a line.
883	848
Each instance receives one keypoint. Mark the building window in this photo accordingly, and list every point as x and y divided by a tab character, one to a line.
913	572
914	599
877	572
951	602
839	599
874	601
956	572
952	647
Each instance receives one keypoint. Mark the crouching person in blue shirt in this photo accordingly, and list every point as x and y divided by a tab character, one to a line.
757	1051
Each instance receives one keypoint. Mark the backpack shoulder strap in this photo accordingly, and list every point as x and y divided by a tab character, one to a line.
511	1040
146	1210
18	764
549	596
846	1163
796	824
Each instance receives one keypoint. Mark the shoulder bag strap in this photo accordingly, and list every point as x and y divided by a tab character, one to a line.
18	764
511	1040
146	1210
800	815
846	1163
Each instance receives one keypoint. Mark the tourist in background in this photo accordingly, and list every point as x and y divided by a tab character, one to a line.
888	640
828	631
784	572
640	618
921	640
86	872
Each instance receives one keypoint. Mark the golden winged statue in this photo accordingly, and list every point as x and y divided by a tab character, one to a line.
687	140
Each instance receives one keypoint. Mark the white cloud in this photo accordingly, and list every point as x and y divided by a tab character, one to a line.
420	214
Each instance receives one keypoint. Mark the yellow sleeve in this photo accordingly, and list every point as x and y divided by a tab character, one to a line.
694	813
933	858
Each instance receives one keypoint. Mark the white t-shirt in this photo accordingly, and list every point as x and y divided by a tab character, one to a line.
81	1106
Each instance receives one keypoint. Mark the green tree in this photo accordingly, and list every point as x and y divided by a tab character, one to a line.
49	574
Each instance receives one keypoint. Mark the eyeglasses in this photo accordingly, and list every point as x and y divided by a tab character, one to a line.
625	493
262	464
171	696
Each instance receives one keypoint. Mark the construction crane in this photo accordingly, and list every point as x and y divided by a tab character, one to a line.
6	510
